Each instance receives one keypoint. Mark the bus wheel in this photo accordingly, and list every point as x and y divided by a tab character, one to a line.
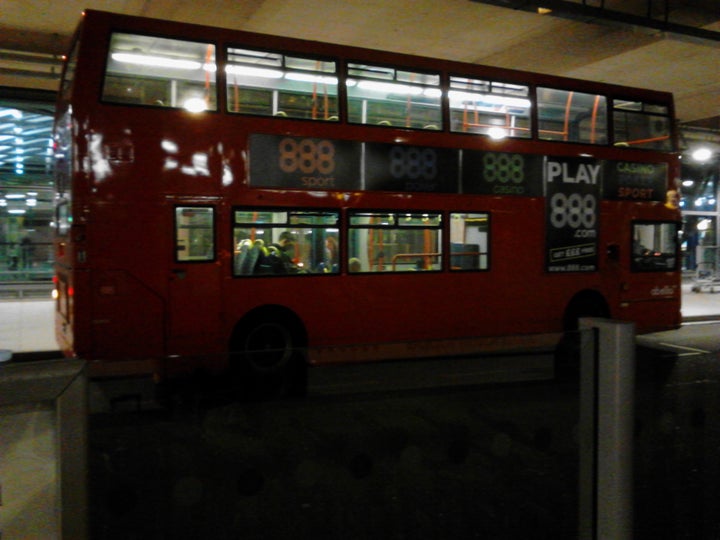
267	357
267	347
567	352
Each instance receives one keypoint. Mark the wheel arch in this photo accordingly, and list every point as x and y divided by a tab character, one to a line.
585	303
273	312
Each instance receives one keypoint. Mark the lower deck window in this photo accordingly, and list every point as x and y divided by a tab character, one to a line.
654	247
394	242
282	242
469	241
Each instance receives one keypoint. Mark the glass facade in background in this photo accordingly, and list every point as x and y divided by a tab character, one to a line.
699	242
26	191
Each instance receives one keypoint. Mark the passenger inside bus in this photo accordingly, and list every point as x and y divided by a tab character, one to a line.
284	247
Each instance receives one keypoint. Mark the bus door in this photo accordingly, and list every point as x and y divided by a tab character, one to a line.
194	281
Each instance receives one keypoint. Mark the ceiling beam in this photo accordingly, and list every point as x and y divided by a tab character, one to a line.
584	12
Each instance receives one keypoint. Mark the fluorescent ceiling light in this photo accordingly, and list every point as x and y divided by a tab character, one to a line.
248	71
390	88
156	61
497	133
460	99
702	154
195	104
309	77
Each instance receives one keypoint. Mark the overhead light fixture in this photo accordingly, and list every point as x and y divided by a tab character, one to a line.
156	61
460	99
702	154
249	71
497	133
390	88
544	11
309	77
195	104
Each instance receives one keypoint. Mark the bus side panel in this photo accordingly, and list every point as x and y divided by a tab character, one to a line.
652	315
127	317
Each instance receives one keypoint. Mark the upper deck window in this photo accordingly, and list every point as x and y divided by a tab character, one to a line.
641	125
571	116
274	84
160	72
386	96
489	107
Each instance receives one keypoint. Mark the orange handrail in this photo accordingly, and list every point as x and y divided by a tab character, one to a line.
566	127
423	256
236	94
208	60
593	122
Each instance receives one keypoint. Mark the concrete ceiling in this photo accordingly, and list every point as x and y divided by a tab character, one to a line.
671	45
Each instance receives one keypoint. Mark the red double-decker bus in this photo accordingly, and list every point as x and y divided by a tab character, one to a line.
234	200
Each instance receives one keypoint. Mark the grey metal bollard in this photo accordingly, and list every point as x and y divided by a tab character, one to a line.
607	381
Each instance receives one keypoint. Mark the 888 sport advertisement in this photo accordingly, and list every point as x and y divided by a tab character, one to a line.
572	194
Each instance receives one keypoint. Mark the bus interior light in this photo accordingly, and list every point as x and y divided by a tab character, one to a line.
156	61
390	88
248	71
309	77
702	155
195	104
497	133
460	99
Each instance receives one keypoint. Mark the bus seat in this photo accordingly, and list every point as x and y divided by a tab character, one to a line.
241	255
269	261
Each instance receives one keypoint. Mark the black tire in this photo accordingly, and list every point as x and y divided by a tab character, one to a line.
267	346
267	357
567	352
